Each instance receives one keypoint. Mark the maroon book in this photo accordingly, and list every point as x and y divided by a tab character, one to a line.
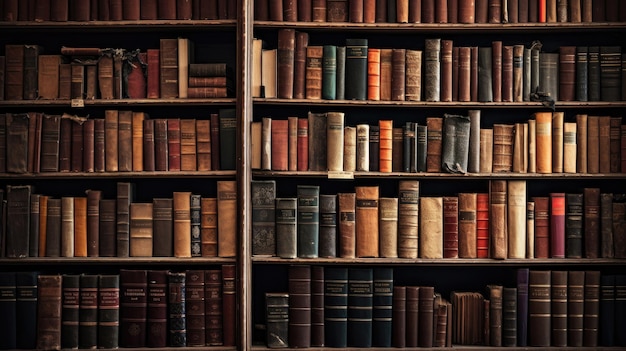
215	141
542	227
148	10
450	227
99	146
116	11
229	303
88	145
149	163
184	9
591	222
79	10
166	9
133	307
76	161
173	144
557	225
136	77
285	62
131	10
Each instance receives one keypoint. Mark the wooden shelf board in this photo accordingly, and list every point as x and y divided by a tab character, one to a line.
117	261
442	262
142	25
119	102
114	175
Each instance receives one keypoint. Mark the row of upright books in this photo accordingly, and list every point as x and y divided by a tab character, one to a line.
132	308
116	10
503	223
122	141
439	71
171	71
548	142
365	307
441	11
185	225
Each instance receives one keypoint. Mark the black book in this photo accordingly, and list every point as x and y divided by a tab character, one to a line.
336	306
17	139
593	71
263	217
422	147
17	229
26	310
485	82
582	73
108	311
620	308
549	74
607	327
328	225
455	148
382	312
8	311
88	312
610	73
356	69
573	225
176	309
277	319
286	227
308	220
408	148
360	298
70	311
509	317
374	147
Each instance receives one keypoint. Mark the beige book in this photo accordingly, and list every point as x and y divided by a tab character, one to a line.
581	143
141	222
334	140
349	149
544	141
520	149
48	76
503	147
266	143
408	210
532	146
67	226
413	75
516	217
530	229
185	57
467	225
486	150
257	48
255	144
431	227
227	218
388	227
569	147
557	142
498	219
366	217
363	147
268	73
182	223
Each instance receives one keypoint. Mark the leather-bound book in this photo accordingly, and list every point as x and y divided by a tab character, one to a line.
108	316
408	202
173	144
366	218
623	148
349	149
574	8
108	222
558	300
125	196
539	308
402	11
277	316
355	11
620	282
77	88
591	313
105	77
141	230
299	65
195	307
314	70
604	144
317	130
17	125
308	221
43	224
335	141
557	142
502	147
208	226
279	148
569	147
486	150
526	76
347	225
148	160
303	144
77	143
369	11
318	9
575	307
551	11
360	307
88	160
328	226
399	316
116	11
425	329
356	69
137	154
495	11
304	11
53	228
148	10
463	79
432	74
531	143
485	74
30	71
58	10
168	69
530	229
65	81
317	306
93	222
614	144
48	76
276	11
567	73
166	9
507	73
16	243
522	275
593	144
466	11
263	217
153	79
70	311
337	11
496	68
413	75
111	137
286	227
226	207
434	127
495	314
182	223
428	11
65	144
374	148
388	227
481	11
362	147
397	157
299	287
125	141
606	225
498	219
285	62
213	306
184	9
340	93
516	218
456	135
382	305
573	225
156	305
548	74
80	227
581	143
133	307
176	306
33	235
385	145
160	144
450	227
467	225
336	295
88	311
431	227
14	72
373	74
591	222
593	73
445	72
610	73
411	307
266	143
482	225
542	227
607	310
49	292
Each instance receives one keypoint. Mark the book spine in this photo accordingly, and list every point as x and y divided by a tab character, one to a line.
108	310
308	221
360	307
299	306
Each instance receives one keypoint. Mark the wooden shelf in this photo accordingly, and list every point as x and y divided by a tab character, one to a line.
452	262
116	102
114	175
116	261
141	25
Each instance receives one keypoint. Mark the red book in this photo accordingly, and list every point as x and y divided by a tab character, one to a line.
542	227
303	144
557	225
280	146
173	144
115	10
153	79
541	11
305	11
482	225
137	78
167	9
450	227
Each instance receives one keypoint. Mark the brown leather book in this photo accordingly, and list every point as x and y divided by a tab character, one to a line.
386	70
507	73
543	133
428	11
153	79
48	76
156	304
516	218
125	196
425	324
279	147
213	306
495	314
14	72
160	144
148	10
65	144
335	140
166	9
195	300
446	71
498	219
162	227
133	307
567	73
80	227
482	225
466	11
125	141
557	142
496	69
574	10
299	287
182	223
208	226
337	10
93	222
366	218
299	65
591	222
59	10
400	315
141	229
518	73
615	144
31	54
227	218
107	241
431	227
111	137
373	74
314	56
413	75
138	119
502	147
604	148
355	11
415	11
369	11
173	144
285	62
463	78
575	307
434	127
593	144
467	225
276	11
215	141
43	224
76	159
539	308
532	145
495	11
184	9
203	144
168	69
408	229
49	292
91	81
318	10
347	225
304	9
591	313
388	227
386	145
569	147
17	138
482	11
412	316
188	145
105	77
542	227
450	227
397	157
402	11
67	226
374	147
116	12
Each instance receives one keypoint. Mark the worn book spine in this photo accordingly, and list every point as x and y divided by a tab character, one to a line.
108	316
299	287
591	313
388	227
329	72
575	307
615	146
336	303
516	218
263	217
432	75
88	311
356	69
413	75
195	307
434	136
374	148
574	225
177	302
539	303
557	141
156	304
382	305
431	227
486	150
399	316
498	219
542	227
485	80
558	310
606	225
373	74
366	218
308	221
425	322
335	141
313	72
450	227
70	311
328	225
347	225
49	293
544	130
286	227
362	147
569	147
317	154
125	196
503	147
18	204
360	307
300	50
408	202
278	145
285	62
141	230
277	315
349	148
604	144
385	153
591	222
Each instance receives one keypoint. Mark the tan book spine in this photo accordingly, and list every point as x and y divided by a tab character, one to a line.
520	149
48	76
188	157
67	226
111	140
347	225
385	74
80	227
138	118
388	227
498	219
503	147
141	221
366	217
408	226
349	149
208	226
532	146
334	139
604	144
569	147
516	217
203	144
182	223
431	227
486	150
413	75
544	141
530	229
557	142
227	218
467	225
292	140
593	144
362	147
255	144
266	143
402	11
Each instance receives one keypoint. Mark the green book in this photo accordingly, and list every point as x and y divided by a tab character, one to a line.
308	220
228	138
356	69
329	72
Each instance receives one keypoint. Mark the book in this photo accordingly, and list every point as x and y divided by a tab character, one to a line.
208	226
264	221
574	225
575	307
591	222
360	307
308	221
591	308
181	223
382	304
539	308
327	225
286	227
431	227
299	287
495	293
356	69
432	62
195	307
70	323
606	225
516	218
329	72
18	209
141	230
347	224
168	67
455	143
502	147
557	225
227	141
277	316
366	219
279	146
176	307
108	302
285	63
558	310
336	303
133	307
49	290
317	306
88	311
388	227
335	141
434	126
156	302
24	316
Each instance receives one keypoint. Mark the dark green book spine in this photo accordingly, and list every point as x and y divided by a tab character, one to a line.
176	308
509	317
228	138
485	83
593	68
573	225
286	227
26	309
277	319
88	312
408	148
108	311
328	226
263	217
308	220
360	302
422	135
8	298
382	312
340	93
70	311
329	72
336	306
356	69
